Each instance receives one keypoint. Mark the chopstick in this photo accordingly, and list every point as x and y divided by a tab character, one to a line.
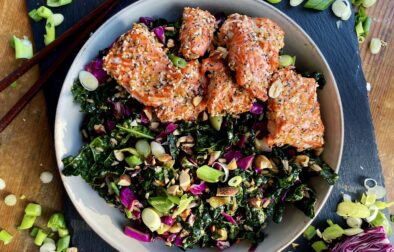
4	83
24	100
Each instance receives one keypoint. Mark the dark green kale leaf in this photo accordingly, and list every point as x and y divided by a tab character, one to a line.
278	214
174	151
138	131
307	204
328	174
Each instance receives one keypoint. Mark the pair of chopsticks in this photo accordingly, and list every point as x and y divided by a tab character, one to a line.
85	26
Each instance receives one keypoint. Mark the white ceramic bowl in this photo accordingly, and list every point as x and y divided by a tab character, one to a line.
109	222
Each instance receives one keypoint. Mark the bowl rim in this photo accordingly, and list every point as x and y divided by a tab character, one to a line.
88	43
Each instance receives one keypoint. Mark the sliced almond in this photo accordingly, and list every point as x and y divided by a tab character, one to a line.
213	156
205	116
170	42
303	160
99	128
184	180
255	202
119	155
275	89
185	214
216	201
197	100
176	228
164	158
227	191
262	162
315	167
148	113
169	28
173	190
232	165
124	180
223	234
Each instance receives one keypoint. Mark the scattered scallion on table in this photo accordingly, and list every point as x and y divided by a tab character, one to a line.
49	37
23	47
33	14
63	243
318	4
58	3
40	237
27	222
5	237
44	12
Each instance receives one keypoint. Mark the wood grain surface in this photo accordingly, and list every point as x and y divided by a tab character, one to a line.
26	146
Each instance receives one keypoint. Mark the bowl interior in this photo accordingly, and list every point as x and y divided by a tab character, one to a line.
109	222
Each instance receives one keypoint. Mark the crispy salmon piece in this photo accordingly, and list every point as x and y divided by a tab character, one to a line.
245	55
294	116
188	100
271	38
139	64
224	95
196	33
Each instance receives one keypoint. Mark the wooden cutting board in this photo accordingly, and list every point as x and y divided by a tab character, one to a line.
340	47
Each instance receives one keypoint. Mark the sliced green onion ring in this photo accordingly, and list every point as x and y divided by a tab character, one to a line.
375	46
5	237
44	12
23	47
368	3
274	1
49	37
88	80
354	222
27	222
178	61
286	60
33	14
63	243
353	231
209	174
341	8
295	3
57	3
40	237
33	209
373	213
235	181
151	219
58	19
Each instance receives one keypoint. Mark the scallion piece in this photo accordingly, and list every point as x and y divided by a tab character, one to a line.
49	37
319	246
115	188
209	174
310	232
27	222
360	32
34	15
133	161
295	3
34	231
367	25
44	12
33	209
63	243
286	60
5	237
40	237
23	47
57	3
177	61
274	1
58	19
57	221
368	3
63	232
318	4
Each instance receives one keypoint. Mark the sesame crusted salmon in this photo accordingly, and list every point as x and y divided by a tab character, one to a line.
196	32
245	54
224	95
138	63
271	38
189	96
294	116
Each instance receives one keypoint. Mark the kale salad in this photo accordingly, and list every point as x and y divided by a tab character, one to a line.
210	182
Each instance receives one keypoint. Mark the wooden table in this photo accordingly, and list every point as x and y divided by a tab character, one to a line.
27	149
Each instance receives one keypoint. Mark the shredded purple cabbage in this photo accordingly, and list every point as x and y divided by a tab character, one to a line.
222	245
144	118
220	17
371	240
148	21
138	235
178	241
169	129
198	189
159	31
229	218
246	162
232	154
96	68
257	108
168	220
127	197
110	125
242	141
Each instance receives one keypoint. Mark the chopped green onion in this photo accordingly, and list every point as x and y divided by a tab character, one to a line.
34	231
392	217
274	1
318	4
44	12
381	220
34	15
133	161
286	60
332	232
58	19
352	231
367	25
33	209
235	181
161	203
183	204
216	122
13	85
360	32
40	237
57	221
174	199
319	246
341	8
151	219
375	45
310	232
295	3
63	243
23	47
88	80
143	147
2	182
5	237
49	37
177	61
63	232
27	222
128	214
57	3
354	222
368	3
115	188
209	174
368	199
382	205
351	209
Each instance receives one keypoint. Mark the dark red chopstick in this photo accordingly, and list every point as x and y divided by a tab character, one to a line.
24	100
4	83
